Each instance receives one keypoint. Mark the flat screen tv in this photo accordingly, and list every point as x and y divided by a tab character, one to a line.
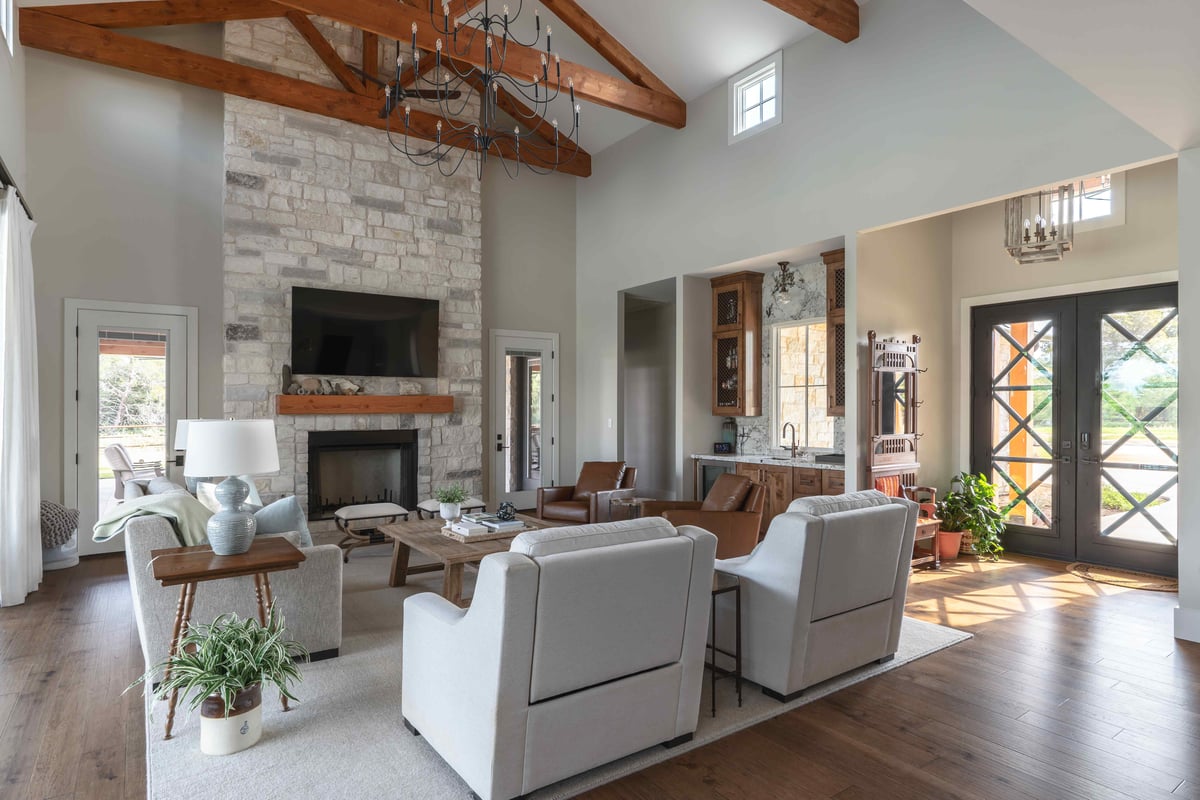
354	333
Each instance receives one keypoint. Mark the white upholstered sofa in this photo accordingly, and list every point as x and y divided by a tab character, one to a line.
309	597
824	592
582	645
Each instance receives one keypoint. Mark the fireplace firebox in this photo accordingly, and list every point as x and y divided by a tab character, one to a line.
350	467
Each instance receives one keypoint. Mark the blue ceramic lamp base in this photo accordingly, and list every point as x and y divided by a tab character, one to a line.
231	530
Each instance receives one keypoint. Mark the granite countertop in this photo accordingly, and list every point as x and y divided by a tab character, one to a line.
759	458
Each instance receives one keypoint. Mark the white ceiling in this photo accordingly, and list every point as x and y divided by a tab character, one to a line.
692	45
1142	58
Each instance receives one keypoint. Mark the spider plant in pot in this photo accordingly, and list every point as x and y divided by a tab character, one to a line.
969	509
450	499
221	668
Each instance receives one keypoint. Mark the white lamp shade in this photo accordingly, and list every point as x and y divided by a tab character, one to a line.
181	432
231	447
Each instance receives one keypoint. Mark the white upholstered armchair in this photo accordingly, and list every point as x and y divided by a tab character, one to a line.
582	645
824	592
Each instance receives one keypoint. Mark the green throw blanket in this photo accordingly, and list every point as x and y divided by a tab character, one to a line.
186	513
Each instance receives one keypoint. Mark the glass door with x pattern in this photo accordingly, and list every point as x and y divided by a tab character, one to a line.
1074	418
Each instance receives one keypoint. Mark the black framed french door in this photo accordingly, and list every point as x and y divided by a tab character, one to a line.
1023	419
1075	419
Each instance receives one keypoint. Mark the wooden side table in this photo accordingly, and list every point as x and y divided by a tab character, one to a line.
927	531
187	567
631	505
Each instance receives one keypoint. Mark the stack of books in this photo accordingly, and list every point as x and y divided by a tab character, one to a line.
493	522
467	529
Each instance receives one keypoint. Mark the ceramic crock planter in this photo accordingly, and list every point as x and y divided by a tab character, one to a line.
450	511
948	543
222	735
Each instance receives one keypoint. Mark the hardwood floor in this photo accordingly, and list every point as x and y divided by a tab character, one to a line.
1069	690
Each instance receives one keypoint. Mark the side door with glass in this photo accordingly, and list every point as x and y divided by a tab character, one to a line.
130	386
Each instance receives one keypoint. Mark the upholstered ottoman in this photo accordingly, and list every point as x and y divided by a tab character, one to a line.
429	509
347	517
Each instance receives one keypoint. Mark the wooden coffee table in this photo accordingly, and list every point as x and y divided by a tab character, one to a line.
426	537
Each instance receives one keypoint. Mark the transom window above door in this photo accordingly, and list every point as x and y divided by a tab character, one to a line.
755	101
799	358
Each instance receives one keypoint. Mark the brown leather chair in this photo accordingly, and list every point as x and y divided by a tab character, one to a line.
732	511
588	500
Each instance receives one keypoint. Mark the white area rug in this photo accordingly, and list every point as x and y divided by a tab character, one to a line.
345	738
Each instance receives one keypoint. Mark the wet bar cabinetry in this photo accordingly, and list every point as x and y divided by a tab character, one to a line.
737	345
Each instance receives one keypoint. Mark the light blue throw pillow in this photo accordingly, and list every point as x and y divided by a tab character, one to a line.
282	516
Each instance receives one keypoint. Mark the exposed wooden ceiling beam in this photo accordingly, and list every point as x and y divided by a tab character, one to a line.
56	34
370	57
324	50
577	19
395	20
165	12
838	18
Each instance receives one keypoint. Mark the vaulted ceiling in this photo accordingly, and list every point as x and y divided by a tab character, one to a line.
692	45
632	63
1141	58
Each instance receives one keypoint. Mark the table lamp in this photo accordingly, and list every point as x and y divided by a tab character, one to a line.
231	447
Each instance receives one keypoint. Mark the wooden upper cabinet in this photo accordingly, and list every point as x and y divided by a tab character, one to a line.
835	331
737	345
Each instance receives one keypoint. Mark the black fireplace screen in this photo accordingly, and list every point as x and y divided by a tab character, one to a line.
350	467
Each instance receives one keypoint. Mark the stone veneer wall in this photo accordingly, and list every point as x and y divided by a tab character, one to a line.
311	201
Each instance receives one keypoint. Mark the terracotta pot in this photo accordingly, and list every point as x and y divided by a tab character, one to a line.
948	542
221	735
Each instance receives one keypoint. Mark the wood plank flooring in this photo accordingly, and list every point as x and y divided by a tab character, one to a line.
1069	690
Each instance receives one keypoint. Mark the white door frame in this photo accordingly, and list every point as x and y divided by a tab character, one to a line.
497	394
71	309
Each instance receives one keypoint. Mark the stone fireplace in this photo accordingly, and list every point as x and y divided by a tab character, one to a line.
312	201
349	467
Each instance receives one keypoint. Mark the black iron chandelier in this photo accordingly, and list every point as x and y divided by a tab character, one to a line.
450	82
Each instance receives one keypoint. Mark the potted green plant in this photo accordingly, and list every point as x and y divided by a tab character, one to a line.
450	499
970	509
220	668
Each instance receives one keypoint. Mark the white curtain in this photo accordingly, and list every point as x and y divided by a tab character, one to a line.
20	490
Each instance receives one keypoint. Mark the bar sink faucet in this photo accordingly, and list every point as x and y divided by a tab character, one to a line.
787	425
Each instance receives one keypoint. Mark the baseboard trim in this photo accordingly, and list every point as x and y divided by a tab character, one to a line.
1187	624
325	655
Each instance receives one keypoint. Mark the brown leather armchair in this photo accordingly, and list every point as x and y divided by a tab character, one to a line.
732	511
588	500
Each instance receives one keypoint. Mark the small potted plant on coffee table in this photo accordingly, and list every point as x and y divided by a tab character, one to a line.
221	668
970	510
450	498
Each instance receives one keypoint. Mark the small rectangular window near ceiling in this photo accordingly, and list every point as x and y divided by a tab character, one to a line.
755	103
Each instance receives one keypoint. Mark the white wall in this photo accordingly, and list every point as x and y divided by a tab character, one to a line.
648	390
904	289
695	426
12	108
126	180
529	284
929	109
1187	616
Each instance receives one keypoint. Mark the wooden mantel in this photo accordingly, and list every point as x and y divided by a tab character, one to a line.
364	404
